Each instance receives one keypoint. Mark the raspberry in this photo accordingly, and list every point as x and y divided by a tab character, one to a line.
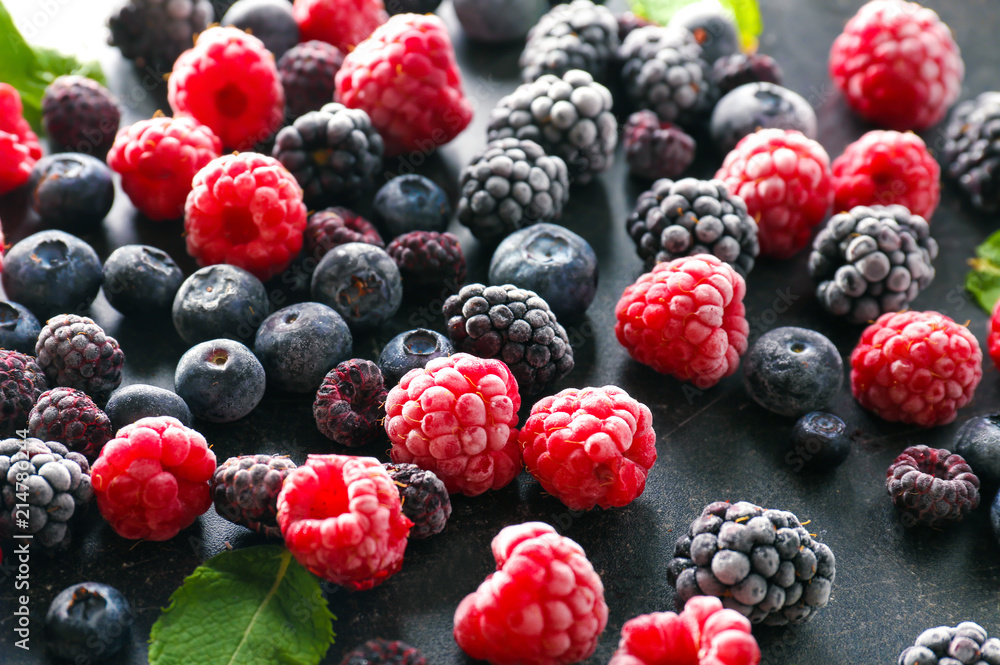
19	146
703	634
428	258
655	149
406	78
329	228
341	518
245	490
384	652
993	335
425	498
80	114
590	447
544	605
22	381
75	352
70	417
916	367
230	83
158	158
152	479
886	168
349	403
245	209
308	71
457	417
898	65
342	23
784	178
686	318
932	486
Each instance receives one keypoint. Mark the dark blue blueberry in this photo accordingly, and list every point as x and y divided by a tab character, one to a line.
410	350
220	301
88	623
299	344
361	282
220	380
978	441
820	442
18	328
552	261
52	272
270	21
497	21
139	279
759	106
712	26
139	400
411	203
792	371
71	190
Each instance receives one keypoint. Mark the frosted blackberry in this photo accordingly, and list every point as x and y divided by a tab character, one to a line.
762	563
513	325
22	381
154	32
425	499
972	149
966	643
872	260
578	35
245	491
689	216
510	185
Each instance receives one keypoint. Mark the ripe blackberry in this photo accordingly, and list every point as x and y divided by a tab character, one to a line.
70	417
329	228
245	490
972	149
577	35
425	498
762	563
428	258
731	71
155	32
21	382
872	260
384	652
308	72
689	216
80	114
932	486
655	149
350	403
945	645
513	325
75	352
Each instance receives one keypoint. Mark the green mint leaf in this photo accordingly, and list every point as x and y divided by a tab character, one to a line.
745	12
252	606
983	281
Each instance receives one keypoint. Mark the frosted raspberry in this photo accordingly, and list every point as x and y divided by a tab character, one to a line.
456	417
342	519
246	210
544	605
343	23
19	146
230	83
152	479
686	318
916	367
590	447
993	335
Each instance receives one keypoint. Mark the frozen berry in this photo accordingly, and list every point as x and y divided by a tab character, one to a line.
51	272
139	400
76	352
219	301
350	403
19	146
411	349
428	259
299	344
952	645
18	327
88	623
792	371
70	417
308	74
713	28
380	651
411	203
755	106
71	190
425	499
245	491
932	486
220	380
497	21
80	114
575	35
731	71
970	151
21	382
337	226
655	149
270	21
361	282
154	33
141	280
978	441
342	23
820	442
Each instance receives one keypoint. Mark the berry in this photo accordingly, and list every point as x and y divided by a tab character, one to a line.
71	190
932	486
513	325
308	72
686	318
256	225
422	107
384	652
329	228
357	543
18	327
497	21
361	282
792	371
970	152
576	35
51	272
245	490
872	260
350	402
915	367
152	479
411	203
21	382
731	71
456	416
552	261
425	500
411	349
141	280
19	146
88	622
712	26
155	32
76	353
229	82
898	65
655	149
627	22
510	619
299	344
755	106
139	400
70	417
785	180
220	380
965	643
394	7
342	23
978	441
270	21
995	517
428	259
80	114
219	301
820	442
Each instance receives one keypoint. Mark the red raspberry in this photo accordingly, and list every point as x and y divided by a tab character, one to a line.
245	209
885	168
590	447
916	367
19	146
898	65
993	335
406	78
152	479
784	178
343	23
342	519
230	83
157	160
544	605
686	318
703	634
456	417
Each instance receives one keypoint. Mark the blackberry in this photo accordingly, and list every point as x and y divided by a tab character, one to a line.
384	652
577	35
76	353
686	217
569	117
81	115
425	499
70	417
761	563
334	154
307	73
731	71
655	149
337	226
513	325
245	490
872	260
57	483
429	258
350	403
21	382
965	643
932	486
509	185
972	149
154	33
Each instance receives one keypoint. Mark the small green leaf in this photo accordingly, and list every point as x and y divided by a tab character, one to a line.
745	12
983	281
252	606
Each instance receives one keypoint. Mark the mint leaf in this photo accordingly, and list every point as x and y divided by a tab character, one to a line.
252	606
983	281
745	12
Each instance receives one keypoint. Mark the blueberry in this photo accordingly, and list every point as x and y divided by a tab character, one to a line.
139	279
411	203
270	21
220	380
299	344
712	26
410	350
552	261
995	516
978	441
88	622
18	328
52	272
755	106
71	190
497	21
139	400
820	442
220	301
411	6
792	371
361	282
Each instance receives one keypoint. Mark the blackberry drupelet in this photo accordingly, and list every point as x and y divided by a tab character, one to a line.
81	115
972	149
350	403
154	33
21	382
731	71
70	417
425	499
307	73
428	259
577	35
384	652
245	490
946	645
655	149
932	485
76	353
